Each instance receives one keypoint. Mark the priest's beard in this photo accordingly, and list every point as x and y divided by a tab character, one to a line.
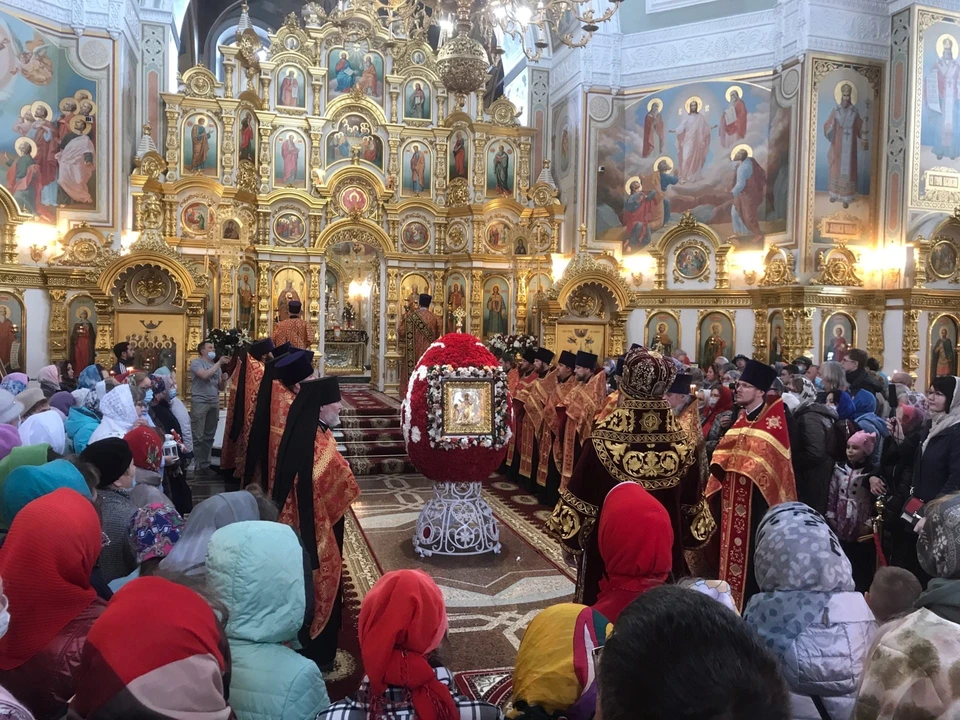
330	416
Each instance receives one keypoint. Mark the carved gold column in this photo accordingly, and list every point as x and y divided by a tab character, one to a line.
263	300
875	332
9	244
266	157
105	341
441	107
911	341
316	99
921	251
228	145
393	164
522	278
441	167
169	217
790	339
58	326
441	241
394	94
438	299
392	355
723	281
226	294
194	330
375	333
228	66
804	332
760	326
314	307
479	173
265	89
173	136
476	303
523	174
263	226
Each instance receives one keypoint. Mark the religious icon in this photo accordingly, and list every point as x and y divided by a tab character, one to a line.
497	235
417	57
520	247
416	169
83	332
467	407
11	328
839	335
248	137
416	236
195	218
417	100
654	139
716	333
200	146
231	230
691	262
355	131
291	92
459	156
693	140
496	311
776	338
456	296
646	208
355	67
941	86
749	189
501	170
663	332
410	288
943	259
289	228
353	200
288	285
733	120
289	160
943	353
246	297
291	42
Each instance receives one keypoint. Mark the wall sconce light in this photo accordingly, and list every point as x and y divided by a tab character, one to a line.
750	276
36	252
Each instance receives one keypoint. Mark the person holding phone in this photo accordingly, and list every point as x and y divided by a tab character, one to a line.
207	381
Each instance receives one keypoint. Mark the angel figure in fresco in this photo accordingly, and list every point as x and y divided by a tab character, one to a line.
30	60
733	121
200	139
840	344
693	143
368	82
944	355
660	341
714	345
290	90
344	73
418	166
942	99
417	102
24	123
653	136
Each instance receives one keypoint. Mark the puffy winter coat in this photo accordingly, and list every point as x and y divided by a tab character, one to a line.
256	569
815	449
827	658
80	425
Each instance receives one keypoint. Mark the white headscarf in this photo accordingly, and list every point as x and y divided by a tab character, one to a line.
943	421
189	555
119	414
44	428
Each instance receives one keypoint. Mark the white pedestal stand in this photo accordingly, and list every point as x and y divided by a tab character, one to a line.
456	521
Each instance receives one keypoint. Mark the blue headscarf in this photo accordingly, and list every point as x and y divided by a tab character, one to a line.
845	406
864	402
14	383
29	482
162	371
89	377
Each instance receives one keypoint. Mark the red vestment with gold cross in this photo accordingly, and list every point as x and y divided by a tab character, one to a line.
751	472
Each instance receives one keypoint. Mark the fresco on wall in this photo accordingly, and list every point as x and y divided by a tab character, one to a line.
939	152
291	87
718	150
501	170
416	166
564	139
355	67
289	160
200	145
48	150
355	131
416	100
846	101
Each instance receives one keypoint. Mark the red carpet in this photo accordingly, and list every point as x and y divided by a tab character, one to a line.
372	441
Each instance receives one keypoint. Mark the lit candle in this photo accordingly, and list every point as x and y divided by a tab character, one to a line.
693	389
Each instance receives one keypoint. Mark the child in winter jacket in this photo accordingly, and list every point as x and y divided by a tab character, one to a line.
850	506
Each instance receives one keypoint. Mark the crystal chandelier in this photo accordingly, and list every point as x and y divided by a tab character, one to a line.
530	23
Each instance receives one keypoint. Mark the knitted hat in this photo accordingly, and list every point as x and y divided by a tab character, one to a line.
62	401
111	456
863	440
146	447
155	529
646	374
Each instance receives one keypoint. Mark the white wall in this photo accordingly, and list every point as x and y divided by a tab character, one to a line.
38	323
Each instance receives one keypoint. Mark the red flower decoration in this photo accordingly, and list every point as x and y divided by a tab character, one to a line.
471	464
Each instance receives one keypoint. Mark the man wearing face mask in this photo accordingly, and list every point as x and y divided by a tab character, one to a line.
207	381
314	486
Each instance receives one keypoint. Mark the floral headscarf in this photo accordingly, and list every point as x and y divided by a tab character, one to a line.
808	392
155	529
938	547
14	383
89	378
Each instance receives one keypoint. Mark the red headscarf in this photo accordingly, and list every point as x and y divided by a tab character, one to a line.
635	540
45	564
146	447
402	620
724	403
157	651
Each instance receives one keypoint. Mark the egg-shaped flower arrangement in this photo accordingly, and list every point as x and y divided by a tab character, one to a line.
457	422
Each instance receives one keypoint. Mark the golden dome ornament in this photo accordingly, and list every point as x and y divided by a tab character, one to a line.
462	61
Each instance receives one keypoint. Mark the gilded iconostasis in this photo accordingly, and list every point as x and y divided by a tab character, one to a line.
803	209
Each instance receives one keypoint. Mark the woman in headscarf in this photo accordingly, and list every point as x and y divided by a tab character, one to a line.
402	620
717	416
121	408
49	378
46	427
911	671
9	439
189	555
808	612
113	458
46	563
82	419
62	402
68	376
937	471
815	445
555	673
178	409
91	375
157	652
19	456
154	530
15	383
636	544
29	482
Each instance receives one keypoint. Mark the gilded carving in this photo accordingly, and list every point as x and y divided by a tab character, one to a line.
778	268
838	267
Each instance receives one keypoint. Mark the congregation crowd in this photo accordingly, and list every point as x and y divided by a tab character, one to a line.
788	536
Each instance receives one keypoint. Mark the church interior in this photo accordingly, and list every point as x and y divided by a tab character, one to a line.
767	178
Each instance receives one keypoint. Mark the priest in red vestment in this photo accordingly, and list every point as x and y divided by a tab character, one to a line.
640	442
419	329
294	329
242	403
533	397
314	488
291	371
578	413
548	466
751	471
258	437
526	375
